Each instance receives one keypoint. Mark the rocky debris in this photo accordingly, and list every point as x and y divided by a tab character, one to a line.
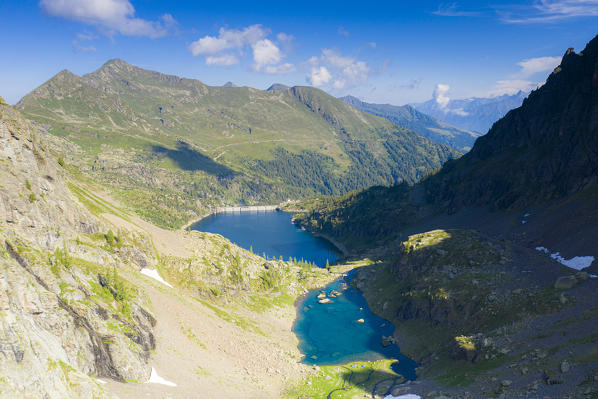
551	378
565	282
325	300
570	281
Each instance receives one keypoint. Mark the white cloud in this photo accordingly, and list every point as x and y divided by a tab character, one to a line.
513	86
229	47
319	76
342	71
443	101
372	44
532	66
547	11
440	95
110	16
281	69
83	49
452	10
83	37
265	53
228	39
520	81
225	59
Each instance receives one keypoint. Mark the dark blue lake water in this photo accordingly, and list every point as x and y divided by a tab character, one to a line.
328	333
271	233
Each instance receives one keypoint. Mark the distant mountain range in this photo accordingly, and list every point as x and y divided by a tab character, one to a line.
409	117
476	114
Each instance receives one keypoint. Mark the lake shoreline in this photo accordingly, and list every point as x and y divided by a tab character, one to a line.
202	217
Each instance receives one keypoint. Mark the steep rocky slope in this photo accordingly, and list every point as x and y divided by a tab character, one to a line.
66	314
539	159
545	149
488	318
80	317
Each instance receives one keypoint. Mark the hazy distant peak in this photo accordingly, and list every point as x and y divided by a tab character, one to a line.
229	84
278	87
351	100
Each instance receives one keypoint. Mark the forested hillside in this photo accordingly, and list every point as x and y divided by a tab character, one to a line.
171	147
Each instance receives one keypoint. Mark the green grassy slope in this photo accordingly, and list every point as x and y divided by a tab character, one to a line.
171	147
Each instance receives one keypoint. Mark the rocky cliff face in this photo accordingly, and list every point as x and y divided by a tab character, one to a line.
65	314
545	149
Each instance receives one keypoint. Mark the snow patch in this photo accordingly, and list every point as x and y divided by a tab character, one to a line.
577	262
526	215
153	273
100	381
156	379
407	396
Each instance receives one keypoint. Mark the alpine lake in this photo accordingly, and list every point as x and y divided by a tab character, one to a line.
337	330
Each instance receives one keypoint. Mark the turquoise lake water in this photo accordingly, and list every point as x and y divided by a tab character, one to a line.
271	233
328	333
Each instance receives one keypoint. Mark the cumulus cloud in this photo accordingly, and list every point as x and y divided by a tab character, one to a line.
341	71
228	39
109	16
440	95
319	76
228	47
265	53
443	100
532	66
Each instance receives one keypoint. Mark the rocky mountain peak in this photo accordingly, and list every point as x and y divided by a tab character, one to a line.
545	149
351	100
278	87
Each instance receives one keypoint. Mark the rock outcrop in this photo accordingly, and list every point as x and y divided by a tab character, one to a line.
65	314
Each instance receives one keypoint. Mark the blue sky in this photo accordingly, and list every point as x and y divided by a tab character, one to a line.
390	52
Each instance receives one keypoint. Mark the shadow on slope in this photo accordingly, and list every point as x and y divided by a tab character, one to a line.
190	159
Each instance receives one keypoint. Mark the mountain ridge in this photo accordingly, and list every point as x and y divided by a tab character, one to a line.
158	133
541	158
476	114
428	126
